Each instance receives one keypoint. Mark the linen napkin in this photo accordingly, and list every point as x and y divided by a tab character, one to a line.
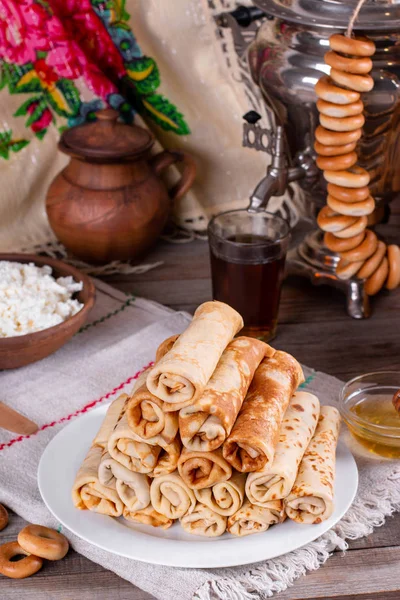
100	362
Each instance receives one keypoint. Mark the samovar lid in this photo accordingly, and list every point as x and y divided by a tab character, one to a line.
377	15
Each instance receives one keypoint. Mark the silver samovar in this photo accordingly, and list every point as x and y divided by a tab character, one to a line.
286	60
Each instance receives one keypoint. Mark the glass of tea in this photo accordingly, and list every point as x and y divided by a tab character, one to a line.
248	252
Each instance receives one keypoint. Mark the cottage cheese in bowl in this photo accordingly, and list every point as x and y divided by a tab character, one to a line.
31	299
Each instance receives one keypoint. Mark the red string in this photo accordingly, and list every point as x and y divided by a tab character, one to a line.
78	412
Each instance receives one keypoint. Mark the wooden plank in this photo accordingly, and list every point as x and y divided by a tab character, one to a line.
343	352
105	585
386	536
73	577
305	303
365	574
174	294
311	319
184	278
82	584
315	328
76	575
187	261
355	574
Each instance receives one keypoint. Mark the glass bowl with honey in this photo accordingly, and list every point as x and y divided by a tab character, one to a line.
366	404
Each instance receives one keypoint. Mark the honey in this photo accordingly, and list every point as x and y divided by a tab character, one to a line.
377	409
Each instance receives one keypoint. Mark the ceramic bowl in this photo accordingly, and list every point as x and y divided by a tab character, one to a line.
18	351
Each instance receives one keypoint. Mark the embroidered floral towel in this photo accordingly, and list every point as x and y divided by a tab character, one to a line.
60	61
96	365
164	62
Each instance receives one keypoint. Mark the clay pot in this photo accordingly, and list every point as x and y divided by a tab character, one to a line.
109	202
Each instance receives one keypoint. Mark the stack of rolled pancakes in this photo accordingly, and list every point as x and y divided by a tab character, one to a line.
214	435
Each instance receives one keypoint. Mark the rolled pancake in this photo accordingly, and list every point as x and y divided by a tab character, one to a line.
89	494
204	521
124	447
171	497
113	415
148	516
252	442
225	497
255	519
162	349
203	469
167	459
205	425
298	426
145	412
133	488
165	346
311	498
147	418
180	377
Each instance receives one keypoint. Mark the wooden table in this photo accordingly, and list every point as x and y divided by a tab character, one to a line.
313	327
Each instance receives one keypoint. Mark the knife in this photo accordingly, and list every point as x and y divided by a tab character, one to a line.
13	421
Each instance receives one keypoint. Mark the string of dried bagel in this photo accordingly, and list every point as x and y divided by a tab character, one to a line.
344	218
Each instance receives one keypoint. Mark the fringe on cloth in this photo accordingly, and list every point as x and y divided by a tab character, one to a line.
57	250
375	501
54	249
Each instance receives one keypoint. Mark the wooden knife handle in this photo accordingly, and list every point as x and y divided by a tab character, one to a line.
13	421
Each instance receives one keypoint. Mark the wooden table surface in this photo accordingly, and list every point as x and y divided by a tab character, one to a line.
314	327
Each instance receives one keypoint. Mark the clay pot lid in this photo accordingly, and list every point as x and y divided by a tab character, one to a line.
106	138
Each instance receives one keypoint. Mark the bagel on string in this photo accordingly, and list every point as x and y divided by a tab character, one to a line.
324	150
353	209
348	194
393	255
359	83
329	220
327	90
359	46
337	163
355	177
343	244
357	65
345	217
342	123
339	110
370	265
358	227
336	138
364	250
377	279
346	270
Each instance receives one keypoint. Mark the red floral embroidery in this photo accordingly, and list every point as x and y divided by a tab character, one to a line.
54	50
44	120
22	31
46	73
86	28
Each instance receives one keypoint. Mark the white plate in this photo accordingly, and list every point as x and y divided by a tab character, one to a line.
174	547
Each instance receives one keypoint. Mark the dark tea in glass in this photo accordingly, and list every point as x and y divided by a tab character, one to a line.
248	252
